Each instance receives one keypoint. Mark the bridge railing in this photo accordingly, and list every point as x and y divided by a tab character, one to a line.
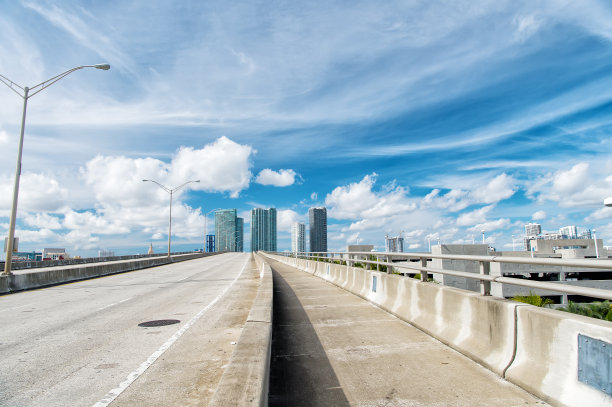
375	260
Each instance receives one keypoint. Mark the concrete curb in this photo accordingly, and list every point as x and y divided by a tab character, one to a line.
45	277
246	378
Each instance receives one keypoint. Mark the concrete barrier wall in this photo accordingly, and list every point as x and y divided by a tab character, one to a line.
245	380
547	356
532	347
38	278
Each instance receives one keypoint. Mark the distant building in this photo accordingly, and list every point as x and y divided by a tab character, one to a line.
318	229
263	229
105	253
54	254
27	256
298	237
210	243
150	251
239	234
569	232
394	244
533	229
228	231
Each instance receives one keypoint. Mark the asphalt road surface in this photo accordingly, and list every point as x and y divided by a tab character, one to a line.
80	344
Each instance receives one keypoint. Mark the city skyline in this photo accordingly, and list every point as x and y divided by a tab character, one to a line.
438	120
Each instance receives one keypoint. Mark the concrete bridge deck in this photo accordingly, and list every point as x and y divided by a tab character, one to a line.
80	344
331	347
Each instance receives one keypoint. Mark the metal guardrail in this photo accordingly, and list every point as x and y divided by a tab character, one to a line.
485	277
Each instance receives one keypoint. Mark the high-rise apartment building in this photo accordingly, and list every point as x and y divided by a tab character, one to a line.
569	232
533	229
228	231
263	229
210	243
298	237
394	244
239	234
318	229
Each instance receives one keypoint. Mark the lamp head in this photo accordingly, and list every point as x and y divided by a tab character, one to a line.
104	67
608	201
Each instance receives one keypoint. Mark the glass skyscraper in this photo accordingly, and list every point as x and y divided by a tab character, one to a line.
298	237
228	231
263	229
318	229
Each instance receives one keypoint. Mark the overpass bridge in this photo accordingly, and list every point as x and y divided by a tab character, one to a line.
236	329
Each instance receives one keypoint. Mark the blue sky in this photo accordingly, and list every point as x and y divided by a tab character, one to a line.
431	118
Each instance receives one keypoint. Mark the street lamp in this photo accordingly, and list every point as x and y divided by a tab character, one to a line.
170	191
608	201
25	93
595	240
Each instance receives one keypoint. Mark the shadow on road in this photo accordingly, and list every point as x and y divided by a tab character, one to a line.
300	373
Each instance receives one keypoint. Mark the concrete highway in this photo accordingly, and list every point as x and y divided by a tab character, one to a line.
80	344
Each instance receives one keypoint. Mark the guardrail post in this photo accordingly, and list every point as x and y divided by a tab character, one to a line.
485	286
389	266
424	272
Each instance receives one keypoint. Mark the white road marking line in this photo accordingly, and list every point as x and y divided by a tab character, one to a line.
114	393
114	303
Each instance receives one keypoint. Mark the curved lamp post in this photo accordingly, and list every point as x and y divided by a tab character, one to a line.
170	191
25	93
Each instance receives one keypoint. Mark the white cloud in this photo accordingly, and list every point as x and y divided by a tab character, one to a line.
491	225
285	219
582	185
42	220
282	178
220	166
4	137
474	217
497	189
81	240
37	193
539	215
90	222
572	180
357	200
41	235
349	202
600	214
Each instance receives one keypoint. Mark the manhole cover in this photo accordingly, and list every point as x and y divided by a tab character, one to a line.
159	322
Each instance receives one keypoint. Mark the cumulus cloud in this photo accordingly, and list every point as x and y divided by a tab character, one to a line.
282	178
491	225
600	214
539	215
358	200
474	217
37	193
579	186
222	166
3	137
42	220
88	221
285	218
497	189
